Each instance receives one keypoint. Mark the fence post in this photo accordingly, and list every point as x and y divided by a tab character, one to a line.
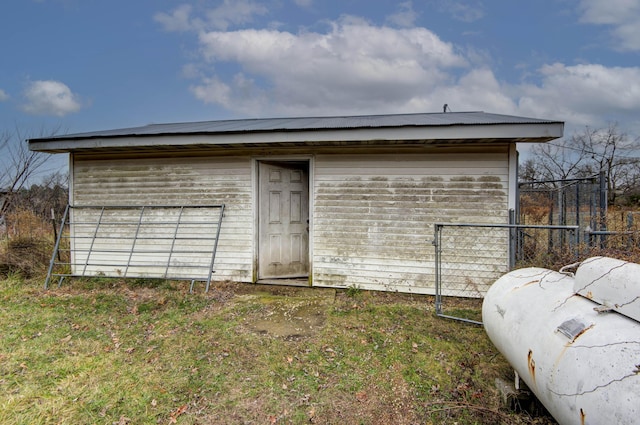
56	248
552	202
438	249
576	242
603	207
630	230
512	239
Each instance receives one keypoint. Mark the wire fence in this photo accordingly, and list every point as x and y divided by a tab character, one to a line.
578	202
470	257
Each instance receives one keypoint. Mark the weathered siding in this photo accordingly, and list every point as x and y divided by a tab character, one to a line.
179	181
374	214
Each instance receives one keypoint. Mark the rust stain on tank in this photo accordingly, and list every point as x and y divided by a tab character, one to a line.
527	284
583	417
531	363
578	335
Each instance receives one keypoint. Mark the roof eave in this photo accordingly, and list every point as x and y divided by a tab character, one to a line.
522	133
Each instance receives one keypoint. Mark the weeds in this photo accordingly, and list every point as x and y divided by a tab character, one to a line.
558	257
26	245
543	248
25	256
353	291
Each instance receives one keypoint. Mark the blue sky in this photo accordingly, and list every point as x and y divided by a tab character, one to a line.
84	65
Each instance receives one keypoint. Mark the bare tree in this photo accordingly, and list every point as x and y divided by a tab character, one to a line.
631	184
558	160
587	153
18	164
611	152
50	195
527	171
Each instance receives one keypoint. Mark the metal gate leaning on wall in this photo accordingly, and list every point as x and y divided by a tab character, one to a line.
148	242
470	257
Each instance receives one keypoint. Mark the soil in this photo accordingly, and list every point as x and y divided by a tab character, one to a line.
289	313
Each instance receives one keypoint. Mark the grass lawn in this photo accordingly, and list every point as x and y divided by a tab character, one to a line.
140	352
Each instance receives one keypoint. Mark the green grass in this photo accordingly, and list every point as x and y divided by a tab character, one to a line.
115	352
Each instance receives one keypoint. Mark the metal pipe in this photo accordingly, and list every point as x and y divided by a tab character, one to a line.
56	248
215	247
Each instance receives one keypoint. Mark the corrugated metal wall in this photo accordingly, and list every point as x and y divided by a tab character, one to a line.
179	181
374	214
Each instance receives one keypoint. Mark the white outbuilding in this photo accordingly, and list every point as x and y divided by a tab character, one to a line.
346	201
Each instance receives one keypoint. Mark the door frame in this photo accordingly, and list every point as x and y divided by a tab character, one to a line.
255	194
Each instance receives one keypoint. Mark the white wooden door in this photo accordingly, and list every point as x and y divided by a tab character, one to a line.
283	220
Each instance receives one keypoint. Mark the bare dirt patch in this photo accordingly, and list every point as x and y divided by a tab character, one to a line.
289	321
288	313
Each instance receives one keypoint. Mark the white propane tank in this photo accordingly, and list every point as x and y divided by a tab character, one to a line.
580	358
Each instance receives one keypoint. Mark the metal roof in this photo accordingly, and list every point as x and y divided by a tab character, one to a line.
309	124
425	129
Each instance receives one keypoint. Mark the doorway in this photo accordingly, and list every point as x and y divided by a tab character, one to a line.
283	220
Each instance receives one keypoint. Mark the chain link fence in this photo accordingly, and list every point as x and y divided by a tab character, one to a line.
569	202
470	257
621	236
559	222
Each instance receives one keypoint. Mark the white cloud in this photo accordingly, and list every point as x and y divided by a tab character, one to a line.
622	15
227	14
241	94
50	98
465	11
589	94
191	70
3	96
178	20
212	90
405	17
608	11
234	12
478	90
353	65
